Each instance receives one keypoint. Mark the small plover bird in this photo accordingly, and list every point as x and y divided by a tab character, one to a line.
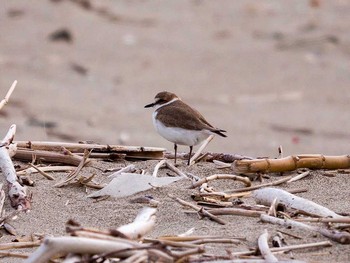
179	123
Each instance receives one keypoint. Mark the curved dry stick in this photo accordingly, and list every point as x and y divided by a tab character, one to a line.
244	180
264	248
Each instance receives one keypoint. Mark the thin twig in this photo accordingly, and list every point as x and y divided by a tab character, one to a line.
199	151
46	175
242	179
8	95
200	210
274	183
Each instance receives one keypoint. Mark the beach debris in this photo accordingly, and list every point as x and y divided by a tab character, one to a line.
264	248
101	151
341	237
4	101
113	243
62	34
128	169
73	177
207	179
127	184
143	224
62	156
290	163
267	195
17	193
201	211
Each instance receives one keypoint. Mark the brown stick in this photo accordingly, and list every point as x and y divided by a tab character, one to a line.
290	163
200	210
48	156
340	237
236	211
73	175
130	151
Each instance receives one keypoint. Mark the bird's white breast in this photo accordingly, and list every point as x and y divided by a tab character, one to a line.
179	135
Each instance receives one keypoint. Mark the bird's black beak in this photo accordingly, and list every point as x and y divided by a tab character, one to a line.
150	105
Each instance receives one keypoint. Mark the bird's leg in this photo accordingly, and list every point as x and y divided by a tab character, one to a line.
189	155
175	149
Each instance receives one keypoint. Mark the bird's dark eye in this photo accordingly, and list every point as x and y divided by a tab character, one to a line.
160	101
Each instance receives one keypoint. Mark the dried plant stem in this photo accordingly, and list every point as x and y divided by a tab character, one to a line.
298	177
13	245
244	180
73	175
274	183
286	248
41	172
264	248
8	95
13	255
236	211
290	163
46	169
175	169
200	150
156	168
200	210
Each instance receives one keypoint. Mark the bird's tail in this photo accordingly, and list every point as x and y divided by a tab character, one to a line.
219	132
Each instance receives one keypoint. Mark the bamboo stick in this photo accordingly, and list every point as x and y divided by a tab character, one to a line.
290	163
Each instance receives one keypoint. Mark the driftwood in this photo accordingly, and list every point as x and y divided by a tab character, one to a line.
264	248
17	193
132	152
341	237
143	223
60	156
290	163
266	196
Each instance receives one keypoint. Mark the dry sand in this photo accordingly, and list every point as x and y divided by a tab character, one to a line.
270	73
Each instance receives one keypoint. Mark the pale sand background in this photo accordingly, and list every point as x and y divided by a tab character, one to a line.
257	69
